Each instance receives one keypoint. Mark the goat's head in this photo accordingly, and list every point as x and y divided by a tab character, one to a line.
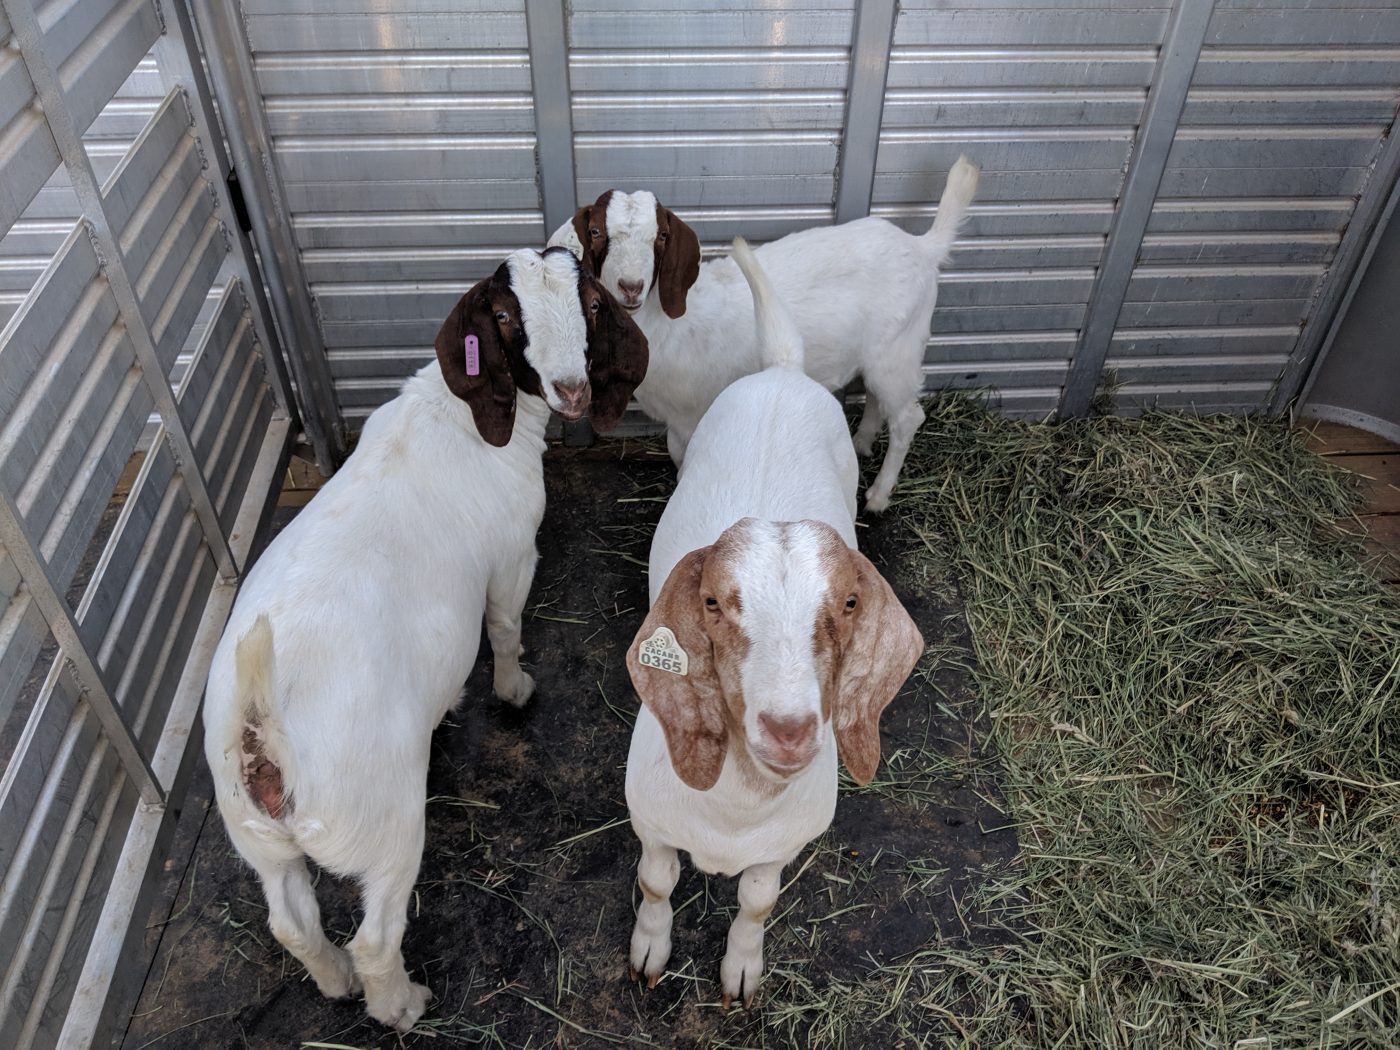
540	326
760	640
633	244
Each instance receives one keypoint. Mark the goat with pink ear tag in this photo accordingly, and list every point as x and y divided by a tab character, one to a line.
770	650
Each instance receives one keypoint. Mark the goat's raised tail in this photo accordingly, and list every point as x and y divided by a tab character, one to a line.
779	342
952	209
265	755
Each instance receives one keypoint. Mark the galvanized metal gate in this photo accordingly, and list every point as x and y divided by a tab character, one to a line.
1173	194
128	311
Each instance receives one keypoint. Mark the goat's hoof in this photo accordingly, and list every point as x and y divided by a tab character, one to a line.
725	1001
652	980
342	981
516	692
877	502
402	1010
739	979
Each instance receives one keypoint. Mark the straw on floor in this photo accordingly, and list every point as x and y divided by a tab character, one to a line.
1195	692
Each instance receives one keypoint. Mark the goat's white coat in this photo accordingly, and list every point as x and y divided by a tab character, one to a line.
375	595
862	295
353	634
772	446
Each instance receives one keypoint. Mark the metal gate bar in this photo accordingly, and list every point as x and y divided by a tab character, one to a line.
230	68
865	106
1186	34
29	37
65	631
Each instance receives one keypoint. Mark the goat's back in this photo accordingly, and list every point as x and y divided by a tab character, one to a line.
773	445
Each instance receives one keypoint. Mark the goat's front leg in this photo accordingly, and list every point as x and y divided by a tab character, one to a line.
742	968
657	873
505	607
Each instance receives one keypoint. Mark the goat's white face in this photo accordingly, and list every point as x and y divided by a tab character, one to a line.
629	235
551	309
781	579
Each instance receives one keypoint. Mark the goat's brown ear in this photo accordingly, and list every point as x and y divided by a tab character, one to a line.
581	224
672	665
587	217
883	649
617	361
479	375
679	265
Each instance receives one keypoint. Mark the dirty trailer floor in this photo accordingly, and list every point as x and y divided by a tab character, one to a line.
524	904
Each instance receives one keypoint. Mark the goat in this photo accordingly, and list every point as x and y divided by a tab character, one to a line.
354	632
862	294
770	649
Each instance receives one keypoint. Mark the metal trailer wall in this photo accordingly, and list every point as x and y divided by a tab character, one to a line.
127	321
1173	196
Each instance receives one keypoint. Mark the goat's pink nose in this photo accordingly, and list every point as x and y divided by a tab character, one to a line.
631	290
575	398
790	734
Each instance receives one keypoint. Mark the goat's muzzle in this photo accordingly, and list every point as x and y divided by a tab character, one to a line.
574	399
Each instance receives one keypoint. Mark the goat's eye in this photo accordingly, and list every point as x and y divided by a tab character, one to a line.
662	236
851	603
593	306
593	231
502	317
711	603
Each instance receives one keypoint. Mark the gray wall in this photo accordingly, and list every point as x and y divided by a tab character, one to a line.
406	137
1358	381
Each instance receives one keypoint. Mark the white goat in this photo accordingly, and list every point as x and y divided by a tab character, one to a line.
354	632
770	649
862	294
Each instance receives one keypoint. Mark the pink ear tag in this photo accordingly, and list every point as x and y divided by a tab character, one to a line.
473	357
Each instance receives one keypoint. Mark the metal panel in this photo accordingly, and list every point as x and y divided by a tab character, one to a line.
1289	107
105	276
1180	51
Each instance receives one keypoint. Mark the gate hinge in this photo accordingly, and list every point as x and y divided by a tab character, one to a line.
235	198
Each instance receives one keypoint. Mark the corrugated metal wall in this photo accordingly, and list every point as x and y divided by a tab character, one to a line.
405	134
122	311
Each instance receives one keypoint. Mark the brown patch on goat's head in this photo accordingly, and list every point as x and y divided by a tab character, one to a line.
677	265
617	353
490	311
591	229
863	646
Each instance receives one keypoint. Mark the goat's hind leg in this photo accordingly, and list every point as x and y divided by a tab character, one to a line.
871	420
506	593
377	947
292	912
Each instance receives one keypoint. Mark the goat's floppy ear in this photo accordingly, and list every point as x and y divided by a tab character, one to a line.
883	649
617	361
679	265
483	381
673	670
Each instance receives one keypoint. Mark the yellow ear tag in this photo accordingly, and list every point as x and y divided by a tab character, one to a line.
663	652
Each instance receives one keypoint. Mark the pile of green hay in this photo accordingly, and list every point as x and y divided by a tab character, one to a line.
1194	686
